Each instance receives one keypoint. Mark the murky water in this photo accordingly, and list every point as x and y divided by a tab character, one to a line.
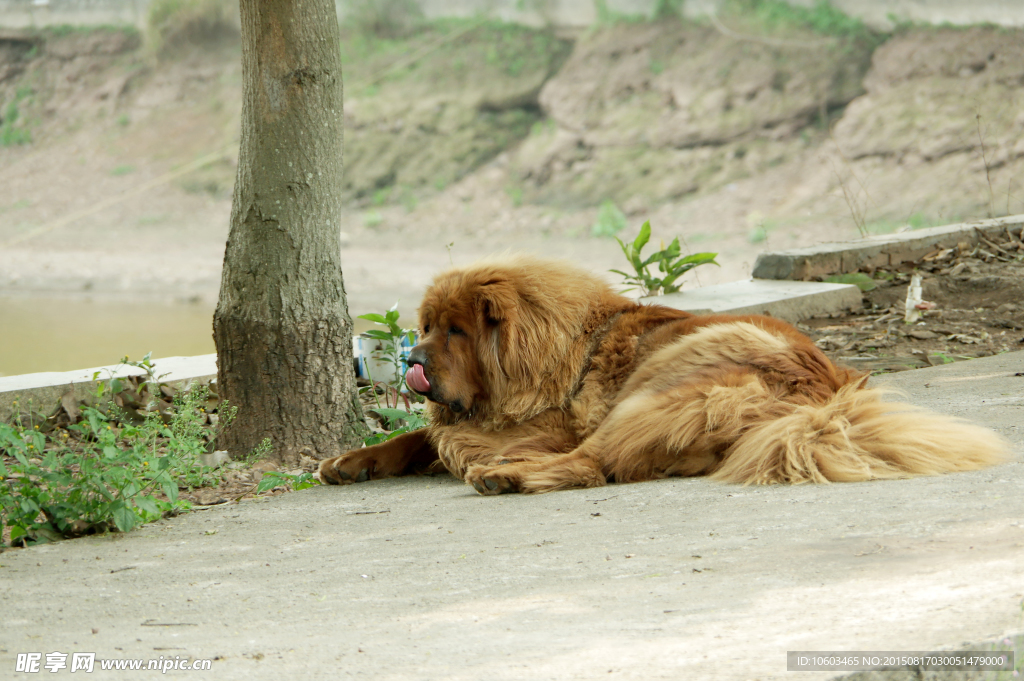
57	334
54	334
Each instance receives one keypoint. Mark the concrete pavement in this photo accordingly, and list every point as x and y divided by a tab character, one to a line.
421	578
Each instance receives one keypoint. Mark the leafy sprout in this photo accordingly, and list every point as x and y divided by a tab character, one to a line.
670	262
391	338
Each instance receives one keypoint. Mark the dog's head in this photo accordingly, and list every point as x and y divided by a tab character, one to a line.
503	339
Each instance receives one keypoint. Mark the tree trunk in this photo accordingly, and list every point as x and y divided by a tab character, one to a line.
282	327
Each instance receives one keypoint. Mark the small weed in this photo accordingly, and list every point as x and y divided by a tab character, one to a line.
60	30
858	279
272	479
516	194
393	338
17	205
671	263
610	220
515	66
542	127
258	453
123	120
821	18
372	219
381	196
398	422
9	134
608	17
668	9
758	227
122	170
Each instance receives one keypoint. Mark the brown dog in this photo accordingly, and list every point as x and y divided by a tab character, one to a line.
541	378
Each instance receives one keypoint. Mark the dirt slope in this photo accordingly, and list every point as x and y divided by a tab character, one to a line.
660	111
499	138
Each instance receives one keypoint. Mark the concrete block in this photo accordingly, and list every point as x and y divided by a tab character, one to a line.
45	389
886	250
791	301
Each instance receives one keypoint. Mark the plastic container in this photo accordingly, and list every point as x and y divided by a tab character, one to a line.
368	352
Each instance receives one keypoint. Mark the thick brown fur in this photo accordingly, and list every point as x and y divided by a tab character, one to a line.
542	378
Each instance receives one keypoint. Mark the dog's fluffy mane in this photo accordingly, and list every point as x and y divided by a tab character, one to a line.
536	318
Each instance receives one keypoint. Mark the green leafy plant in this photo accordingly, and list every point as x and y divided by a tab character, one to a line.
398	422
9	134
188	437
610	220
272	479
88	477
391	337
671	264
109	462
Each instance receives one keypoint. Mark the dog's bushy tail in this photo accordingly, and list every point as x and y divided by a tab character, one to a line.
857	435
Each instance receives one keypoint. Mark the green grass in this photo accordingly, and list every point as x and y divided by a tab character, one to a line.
515	193
60	30
508	48
821	18
122	170
757	234
12	134
609	17
610	220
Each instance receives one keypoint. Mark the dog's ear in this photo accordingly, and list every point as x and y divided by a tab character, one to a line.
498	300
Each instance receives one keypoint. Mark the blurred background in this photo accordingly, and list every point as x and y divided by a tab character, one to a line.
477	127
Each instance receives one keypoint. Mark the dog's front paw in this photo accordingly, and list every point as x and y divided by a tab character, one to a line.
345	469
491	480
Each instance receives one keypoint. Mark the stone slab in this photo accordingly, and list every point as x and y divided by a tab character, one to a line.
421	578
792	301
45	389
878	251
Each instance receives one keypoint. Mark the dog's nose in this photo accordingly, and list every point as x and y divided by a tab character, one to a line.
417	356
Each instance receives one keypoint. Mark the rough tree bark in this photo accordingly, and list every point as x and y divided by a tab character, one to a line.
282	327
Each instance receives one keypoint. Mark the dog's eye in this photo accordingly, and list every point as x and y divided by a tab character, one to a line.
455	331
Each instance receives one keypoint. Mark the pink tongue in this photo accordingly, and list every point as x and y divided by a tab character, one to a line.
417	380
